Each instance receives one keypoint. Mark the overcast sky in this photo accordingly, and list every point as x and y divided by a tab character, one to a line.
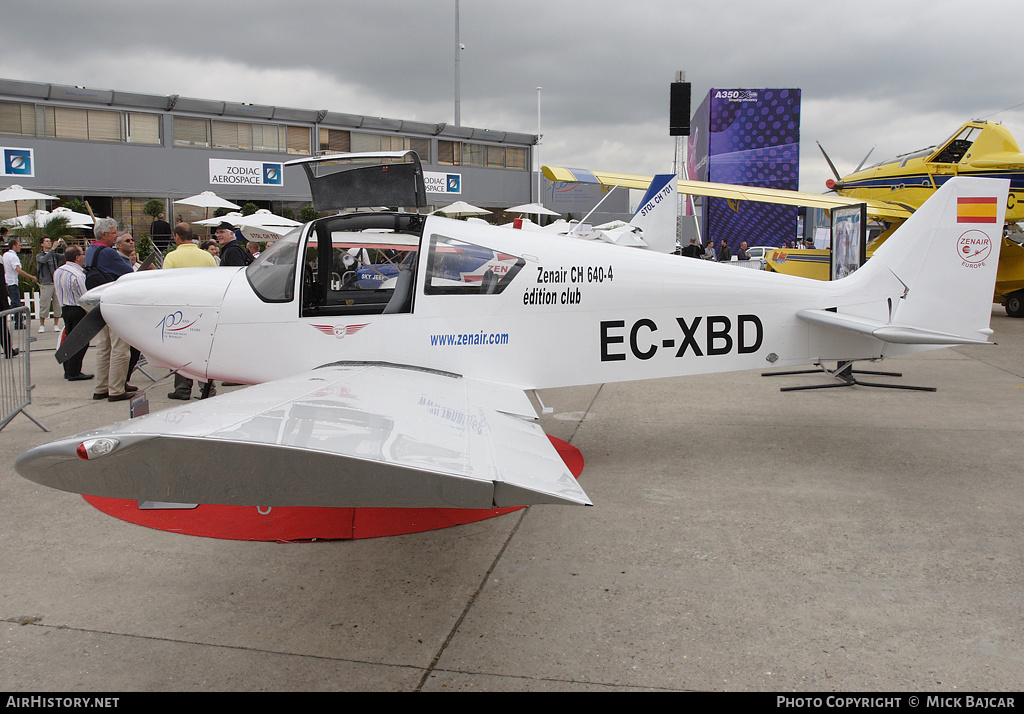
899	75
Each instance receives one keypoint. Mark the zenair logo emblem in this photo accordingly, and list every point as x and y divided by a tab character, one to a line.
973	249
340	331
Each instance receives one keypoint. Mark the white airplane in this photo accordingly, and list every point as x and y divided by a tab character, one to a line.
415	393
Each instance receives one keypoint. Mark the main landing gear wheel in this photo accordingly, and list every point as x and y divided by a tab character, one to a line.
1015	304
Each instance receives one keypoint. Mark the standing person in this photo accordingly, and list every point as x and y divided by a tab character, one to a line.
187	255
104	264
12	270
126	247
709	251
47	262
160	232
232	247
724	253
213	249
742	254
5	334
5	304
69	285
692	250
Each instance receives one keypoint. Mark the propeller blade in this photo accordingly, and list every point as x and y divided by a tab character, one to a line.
80	337
864	160
830	164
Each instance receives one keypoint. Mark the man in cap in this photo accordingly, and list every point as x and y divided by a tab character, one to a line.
232	248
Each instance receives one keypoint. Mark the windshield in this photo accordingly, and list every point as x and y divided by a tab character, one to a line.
272	275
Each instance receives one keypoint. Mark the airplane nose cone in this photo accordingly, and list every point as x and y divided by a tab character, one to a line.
193	287
169	315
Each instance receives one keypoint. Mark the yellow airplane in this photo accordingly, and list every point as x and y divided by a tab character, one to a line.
892	190
978	148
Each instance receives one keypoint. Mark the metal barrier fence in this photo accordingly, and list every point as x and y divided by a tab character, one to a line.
15	373
34	304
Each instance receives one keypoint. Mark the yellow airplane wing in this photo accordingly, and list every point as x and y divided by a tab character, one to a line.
876	209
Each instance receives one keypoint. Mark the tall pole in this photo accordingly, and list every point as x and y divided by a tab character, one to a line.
458	81
680	162
536	150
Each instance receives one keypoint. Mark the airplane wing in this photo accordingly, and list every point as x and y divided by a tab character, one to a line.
355	435
876	209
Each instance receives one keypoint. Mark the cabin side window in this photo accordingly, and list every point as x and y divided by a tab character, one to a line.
455	267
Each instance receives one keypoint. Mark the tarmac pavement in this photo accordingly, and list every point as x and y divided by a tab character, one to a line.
742	539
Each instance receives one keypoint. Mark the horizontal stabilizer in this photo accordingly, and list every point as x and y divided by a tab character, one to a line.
899	334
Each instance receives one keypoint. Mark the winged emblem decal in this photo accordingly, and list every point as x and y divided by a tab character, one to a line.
340	330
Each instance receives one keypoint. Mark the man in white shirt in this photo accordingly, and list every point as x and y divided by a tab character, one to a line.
12	269
69	284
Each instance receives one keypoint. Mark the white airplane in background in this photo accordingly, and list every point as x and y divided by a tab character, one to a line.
653	226
414	393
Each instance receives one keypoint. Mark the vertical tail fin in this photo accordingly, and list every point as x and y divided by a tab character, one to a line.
946	256
656	216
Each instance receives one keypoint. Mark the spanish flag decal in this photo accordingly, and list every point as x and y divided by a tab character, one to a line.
975	210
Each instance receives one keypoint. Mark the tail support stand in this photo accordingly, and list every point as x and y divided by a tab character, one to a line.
844	372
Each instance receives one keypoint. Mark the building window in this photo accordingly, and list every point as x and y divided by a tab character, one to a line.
143	128
454	153
474	155
191	132
515	157
376	142
82	124
266	138
17	119
241	136
449	153
496	156
422	149
231	135
335	141
300	140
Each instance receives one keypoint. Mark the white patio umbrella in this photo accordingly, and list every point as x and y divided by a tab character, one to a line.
461	208
262	226
41	218
17	193
208	200
229	217
532	209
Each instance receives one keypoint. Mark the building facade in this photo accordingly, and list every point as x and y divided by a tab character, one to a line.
118	150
